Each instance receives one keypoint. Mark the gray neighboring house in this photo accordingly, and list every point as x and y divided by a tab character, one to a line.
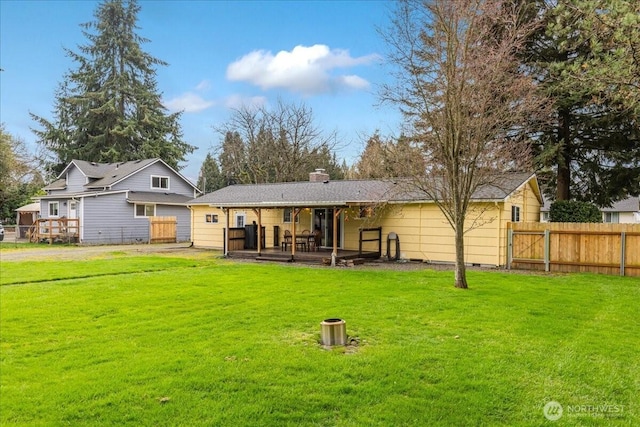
626	211
113	200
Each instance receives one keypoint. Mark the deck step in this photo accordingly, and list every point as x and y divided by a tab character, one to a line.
273	259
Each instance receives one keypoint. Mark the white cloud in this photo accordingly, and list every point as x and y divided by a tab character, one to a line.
238	101
189	103
203	86
304	69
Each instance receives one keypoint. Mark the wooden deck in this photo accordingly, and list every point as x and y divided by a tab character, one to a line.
319	257
55	230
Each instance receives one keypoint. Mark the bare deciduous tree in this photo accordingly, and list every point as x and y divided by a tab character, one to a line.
281	144
467	102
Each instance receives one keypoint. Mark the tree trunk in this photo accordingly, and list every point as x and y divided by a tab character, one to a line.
460	272
563	185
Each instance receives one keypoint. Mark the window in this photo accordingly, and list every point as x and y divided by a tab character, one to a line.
54	208
240	220
545	217
145	210
211	218
612	217
160	182
515	213
287	214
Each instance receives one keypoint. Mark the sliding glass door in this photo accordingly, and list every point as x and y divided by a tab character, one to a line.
323	220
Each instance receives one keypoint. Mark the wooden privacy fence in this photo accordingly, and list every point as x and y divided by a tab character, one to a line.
575	247
163	229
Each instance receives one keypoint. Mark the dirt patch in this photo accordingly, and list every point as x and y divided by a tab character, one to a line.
56	252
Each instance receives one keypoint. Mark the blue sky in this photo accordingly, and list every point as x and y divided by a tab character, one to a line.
221	55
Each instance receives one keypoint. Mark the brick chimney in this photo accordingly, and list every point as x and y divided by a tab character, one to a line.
318	176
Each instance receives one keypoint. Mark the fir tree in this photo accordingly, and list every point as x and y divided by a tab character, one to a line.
586	60
108	109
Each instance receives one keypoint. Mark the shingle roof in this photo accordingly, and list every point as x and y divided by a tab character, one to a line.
631	204
339	193
104	175
109	173
58	184
154	197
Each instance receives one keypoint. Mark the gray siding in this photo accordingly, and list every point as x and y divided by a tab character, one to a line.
75	180
141	181
62	207
111	220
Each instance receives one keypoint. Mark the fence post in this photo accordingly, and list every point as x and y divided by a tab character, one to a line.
509	247
547	250
623	247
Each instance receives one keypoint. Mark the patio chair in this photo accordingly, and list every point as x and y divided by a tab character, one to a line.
287	240
302	239
317	240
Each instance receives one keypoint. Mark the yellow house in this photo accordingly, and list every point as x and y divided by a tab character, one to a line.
236	217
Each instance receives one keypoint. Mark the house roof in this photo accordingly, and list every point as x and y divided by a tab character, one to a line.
58	184
109	174
160	198
104	175
340	193
630	204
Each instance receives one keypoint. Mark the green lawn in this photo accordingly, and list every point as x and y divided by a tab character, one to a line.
166	341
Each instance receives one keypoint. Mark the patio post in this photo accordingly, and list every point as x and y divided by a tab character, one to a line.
226	234
334	254
294	214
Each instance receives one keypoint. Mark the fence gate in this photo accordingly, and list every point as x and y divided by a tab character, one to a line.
163	229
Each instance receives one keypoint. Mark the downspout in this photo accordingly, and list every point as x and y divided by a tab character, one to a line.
193	222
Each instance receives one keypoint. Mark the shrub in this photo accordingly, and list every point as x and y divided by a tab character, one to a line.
574	211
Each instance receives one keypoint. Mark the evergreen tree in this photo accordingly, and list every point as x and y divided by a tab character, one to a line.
233	162
586	59
388	158
108	109
210	179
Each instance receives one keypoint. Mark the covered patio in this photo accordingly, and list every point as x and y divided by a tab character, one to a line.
320	255
312	216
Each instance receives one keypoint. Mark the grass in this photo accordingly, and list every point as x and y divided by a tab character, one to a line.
161	340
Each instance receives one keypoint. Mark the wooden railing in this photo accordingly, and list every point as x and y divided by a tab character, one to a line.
55	230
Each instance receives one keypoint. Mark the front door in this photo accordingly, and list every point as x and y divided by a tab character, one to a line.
73	210
323	220
72	213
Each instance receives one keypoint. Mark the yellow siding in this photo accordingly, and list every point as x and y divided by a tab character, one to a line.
425	234
210	235
423	231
